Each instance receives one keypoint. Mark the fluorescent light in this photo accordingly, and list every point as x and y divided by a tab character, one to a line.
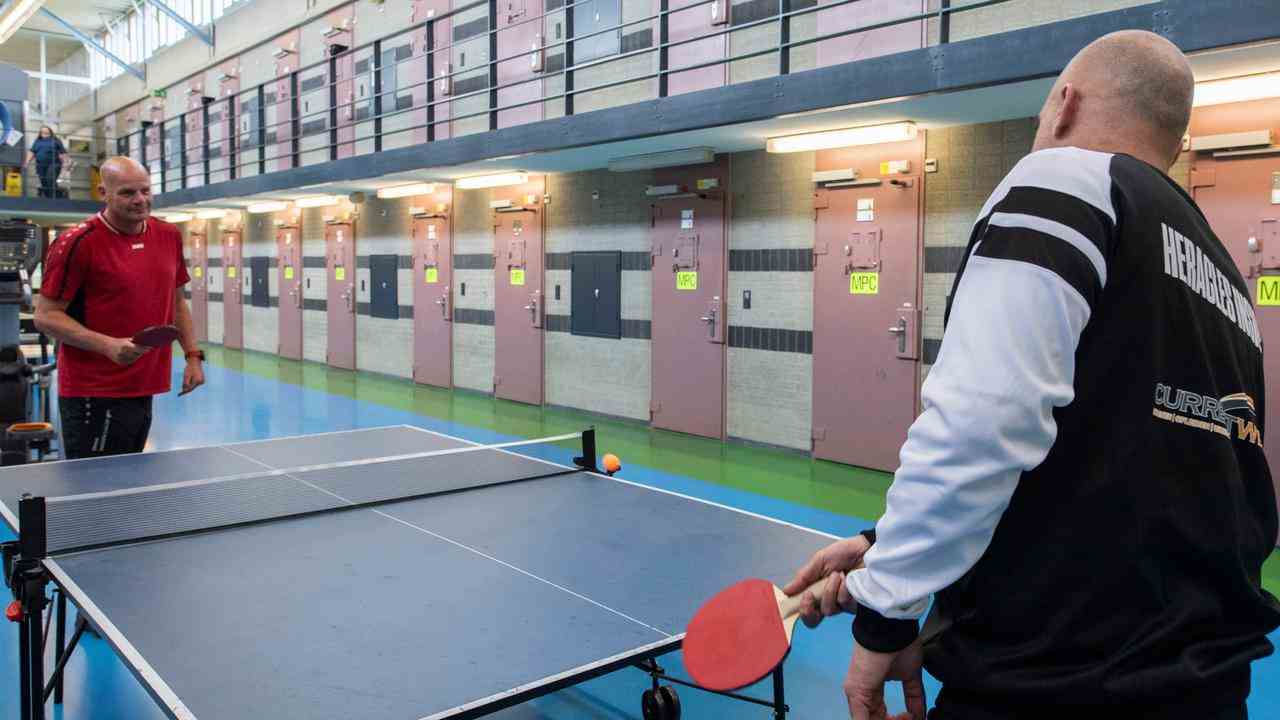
178	217
267	207
400	191
1238	89
670	158
868	135
489	181
315	201
211	214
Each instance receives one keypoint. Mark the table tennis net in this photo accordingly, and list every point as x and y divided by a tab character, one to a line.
95	520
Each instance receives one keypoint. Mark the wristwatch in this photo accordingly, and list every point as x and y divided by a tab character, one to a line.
196	353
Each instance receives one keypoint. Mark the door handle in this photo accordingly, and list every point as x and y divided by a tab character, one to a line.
532	307
901	331
710	320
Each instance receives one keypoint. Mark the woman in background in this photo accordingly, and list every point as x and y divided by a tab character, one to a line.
49	154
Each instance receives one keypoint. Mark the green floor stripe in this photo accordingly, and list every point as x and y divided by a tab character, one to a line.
773	473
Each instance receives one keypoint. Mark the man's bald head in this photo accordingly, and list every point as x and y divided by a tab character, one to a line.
126	186
1127	92
123	169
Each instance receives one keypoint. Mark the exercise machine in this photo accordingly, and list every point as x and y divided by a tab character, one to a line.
28	435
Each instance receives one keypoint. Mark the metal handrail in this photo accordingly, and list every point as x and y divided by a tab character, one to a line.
239	155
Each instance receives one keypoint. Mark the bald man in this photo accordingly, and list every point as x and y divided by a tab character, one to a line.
117	273
1084	497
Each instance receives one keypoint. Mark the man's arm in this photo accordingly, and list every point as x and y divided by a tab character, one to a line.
51	318
193	374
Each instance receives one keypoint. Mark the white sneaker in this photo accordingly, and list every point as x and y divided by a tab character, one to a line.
13	138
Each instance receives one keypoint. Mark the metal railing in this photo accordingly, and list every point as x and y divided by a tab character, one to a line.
72	179
273	127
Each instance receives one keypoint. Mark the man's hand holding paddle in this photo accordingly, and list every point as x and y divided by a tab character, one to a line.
868	670
831	562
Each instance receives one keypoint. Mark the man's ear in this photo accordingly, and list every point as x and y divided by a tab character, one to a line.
1068	111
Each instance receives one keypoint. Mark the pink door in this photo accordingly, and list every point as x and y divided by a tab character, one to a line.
697	21
154	149
441	67
518	305
222	126
866	319
432	309
1236	195
689	255
340	260
199	263
289	252
873	43
280	111
196	147
411	73
519	34
232	292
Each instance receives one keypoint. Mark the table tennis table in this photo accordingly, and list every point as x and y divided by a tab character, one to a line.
381	573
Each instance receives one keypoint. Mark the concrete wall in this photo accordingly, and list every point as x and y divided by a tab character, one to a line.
385	345
473	338
600	210
972	159
770	392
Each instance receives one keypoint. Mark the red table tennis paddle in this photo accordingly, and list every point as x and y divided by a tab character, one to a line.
741	634
156	336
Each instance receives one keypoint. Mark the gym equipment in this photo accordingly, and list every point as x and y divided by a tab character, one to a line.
27	432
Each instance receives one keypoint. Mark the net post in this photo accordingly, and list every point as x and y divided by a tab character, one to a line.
28	583
32	533
588	460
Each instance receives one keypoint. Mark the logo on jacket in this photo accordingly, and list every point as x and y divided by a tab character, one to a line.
1234	416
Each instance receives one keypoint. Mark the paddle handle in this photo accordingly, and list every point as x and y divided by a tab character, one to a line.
791	605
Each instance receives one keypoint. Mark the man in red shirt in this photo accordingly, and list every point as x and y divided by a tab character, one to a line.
117	273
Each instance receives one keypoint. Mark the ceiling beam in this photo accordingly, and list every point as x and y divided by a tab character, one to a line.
185	23
94	44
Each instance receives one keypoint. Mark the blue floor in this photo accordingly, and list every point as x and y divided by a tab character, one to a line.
236	406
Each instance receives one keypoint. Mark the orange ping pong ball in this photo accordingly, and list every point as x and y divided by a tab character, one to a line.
611	463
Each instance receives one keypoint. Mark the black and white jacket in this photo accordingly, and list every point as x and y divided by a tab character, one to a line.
1084	495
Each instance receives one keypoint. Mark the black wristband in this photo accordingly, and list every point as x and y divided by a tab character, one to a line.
878	633
869	534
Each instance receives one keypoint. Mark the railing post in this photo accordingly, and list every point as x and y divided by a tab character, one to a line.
182	150
262	130
493	64
164	158
431	80
664	37
333	105
568	55
784	38
233	138
295	121
377	96
204	123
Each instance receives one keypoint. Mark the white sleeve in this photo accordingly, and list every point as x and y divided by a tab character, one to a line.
1006	362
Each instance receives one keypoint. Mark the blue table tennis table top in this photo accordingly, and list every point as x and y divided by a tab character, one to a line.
435	607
